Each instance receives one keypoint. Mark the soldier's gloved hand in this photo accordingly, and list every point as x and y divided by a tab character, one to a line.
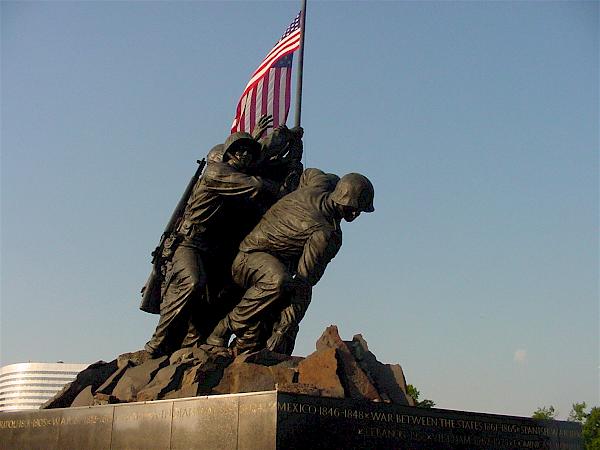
275	342
296	150
301	286
265	121
298	132
292	180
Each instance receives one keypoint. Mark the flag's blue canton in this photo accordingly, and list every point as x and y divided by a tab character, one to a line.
293	27
285	61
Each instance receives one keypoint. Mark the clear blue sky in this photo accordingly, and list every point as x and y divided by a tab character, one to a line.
476	121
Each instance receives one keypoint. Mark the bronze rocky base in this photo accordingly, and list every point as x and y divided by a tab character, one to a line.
341	369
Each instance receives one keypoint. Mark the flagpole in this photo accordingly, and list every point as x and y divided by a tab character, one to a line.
300	66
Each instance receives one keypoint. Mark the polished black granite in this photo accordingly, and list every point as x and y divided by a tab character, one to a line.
275	420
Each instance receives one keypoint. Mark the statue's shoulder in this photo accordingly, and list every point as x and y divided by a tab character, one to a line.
215	169
317	179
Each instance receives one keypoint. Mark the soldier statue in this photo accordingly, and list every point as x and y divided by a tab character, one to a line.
243	177
285	255
197	240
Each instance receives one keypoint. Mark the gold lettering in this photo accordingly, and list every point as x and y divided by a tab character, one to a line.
386	433
488	426
147	416
303	408
329	411
285	407
182	412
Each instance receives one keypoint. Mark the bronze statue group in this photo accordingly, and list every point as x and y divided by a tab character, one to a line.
254	237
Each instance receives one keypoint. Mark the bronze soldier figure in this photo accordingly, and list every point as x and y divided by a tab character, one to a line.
279	161
215	202
285	255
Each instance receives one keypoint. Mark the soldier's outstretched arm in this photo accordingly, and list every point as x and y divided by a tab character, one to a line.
284	331
320	248
229	182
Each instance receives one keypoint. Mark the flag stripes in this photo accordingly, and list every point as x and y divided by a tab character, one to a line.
269	88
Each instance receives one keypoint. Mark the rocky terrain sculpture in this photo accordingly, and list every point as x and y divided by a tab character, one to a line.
338	368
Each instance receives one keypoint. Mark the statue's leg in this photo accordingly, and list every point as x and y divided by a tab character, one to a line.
187	279
218	298
267	281
192	336
199	314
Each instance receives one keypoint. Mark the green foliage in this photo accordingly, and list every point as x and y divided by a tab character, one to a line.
547	413
426	403
578	413
591	429
415	394
590	422
593	445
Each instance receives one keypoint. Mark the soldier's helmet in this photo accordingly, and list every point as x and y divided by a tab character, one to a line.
283	140
236	139
216	153
354	190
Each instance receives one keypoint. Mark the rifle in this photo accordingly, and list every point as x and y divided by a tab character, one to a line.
151	290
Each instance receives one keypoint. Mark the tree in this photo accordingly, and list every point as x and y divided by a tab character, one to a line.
591	429
590	422
578	413
547	413
415	394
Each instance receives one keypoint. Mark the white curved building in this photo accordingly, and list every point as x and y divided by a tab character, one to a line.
29	385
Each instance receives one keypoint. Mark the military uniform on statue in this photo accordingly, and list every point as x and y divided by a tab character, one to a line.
197	242
286	255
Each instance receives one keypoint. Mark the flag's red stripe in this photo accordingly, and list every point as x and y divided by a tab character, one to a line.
265	93
248	112
276	82
257	77
295	35
242	125
252	111
258	103
236	122
273	82
267	63
282	51
288	95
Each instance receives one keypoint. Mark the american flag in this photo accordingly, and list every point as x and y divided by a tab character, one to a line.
268	91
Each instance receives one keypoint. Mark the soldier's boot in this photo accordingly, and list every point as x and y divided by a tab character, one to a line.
249	339
154	352
242	347
221	334
192	337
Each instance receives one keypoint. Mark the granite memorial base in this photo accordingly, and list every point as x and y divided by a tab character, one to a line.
277	420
